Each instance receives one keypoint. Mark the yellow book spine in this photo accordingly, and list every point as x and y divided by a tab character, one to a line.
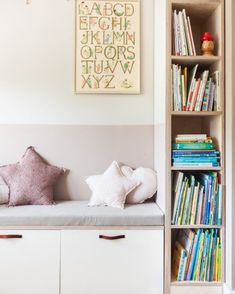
193	210
197	275
219	263
216	261
183	202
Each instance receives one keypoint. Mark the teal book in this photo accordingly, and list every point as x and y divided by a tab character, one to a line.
193	256
199	159
219	205
193	146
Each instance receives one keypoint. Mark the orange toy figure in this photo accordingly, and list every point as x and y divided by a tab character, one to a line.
207	46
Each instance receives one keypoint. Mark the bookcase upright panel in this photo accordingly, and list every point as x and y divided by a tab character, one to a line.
205	16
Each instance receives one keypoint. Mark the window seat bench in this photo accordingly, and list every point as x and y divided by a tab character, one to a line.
77	213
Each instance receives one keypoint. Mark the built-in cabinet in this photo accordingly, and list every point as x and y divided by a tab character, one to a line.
81	261
117	262
29	262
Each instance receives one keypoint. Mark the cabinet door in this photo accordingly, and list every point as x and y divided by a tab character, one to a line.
29	262
112	262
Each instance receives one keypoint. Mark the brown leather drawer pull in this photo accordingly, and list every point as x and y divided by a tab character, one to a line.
11	236
112	237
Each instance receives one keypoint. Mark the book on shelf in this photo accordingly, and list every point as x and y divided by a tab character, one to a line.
198	93
183	41
178	262
197	255
194	150
197	199
193	146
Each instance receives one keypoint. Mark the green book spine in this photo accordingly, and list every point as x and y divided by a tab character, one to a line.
193	146
183	202
209	256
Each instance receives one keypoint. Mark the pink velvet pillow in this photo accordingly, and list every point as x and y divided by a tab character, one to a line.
31	180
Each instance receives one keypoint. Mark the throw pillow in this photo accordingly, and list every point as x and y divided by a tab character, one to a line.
31	180
148	187
110	188
4	192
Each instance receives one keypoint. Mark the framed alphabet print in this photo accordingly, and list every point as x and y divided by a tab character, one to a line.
107	46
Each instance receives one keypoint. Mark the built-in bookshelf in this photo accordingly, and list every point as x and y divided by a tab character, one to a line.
208	274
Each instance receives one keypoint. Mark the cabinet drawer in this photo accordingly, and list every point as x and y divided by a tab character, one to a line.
117	262
29	262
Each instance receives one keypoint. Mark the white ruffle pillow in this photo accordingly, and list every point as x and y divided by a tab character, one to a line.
110	188
4	192
148	187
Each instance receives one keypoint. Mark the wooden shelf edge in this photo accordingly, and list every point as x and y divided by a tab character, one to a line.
195	283
197	227
196	58
196	113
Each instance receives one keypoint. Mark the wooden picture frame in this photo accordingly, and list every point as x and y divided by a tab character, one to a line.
107	46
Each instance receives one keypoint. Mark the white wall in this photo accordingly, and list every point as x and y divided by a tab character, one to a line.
37	68
230	145
160	99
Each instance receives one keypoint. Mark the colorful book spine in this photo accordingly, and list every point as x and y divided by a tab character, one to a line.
193	256
197	199
183	43
193	146
197	255
196	273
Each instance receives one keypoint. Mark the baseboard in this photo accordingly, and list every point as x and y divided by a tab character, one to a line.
227	290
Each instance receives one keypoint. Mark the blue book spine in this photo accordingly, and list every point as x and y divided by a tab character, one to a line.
194	154
219	205
198	159
205	202
209	202
181	268
200	152
195	164
193	256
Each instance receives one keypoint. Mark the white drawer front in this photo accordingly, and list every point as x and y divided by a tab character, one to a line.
29	264
132	265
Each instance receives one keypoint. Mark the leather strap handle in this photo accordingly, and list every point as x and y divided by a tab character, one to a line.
11	236
110	238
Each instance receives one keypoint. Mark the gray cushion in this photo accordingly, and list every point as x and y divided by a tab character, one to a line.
77	213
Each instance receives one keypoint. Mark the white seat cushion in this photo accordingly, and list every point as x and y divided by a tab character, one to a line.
77	213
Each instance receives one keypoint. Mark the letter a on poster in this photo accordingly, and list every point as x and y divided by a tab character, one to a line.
107	47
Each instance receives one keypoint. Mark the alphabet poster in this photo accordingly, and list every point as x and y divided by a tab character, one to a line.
107	46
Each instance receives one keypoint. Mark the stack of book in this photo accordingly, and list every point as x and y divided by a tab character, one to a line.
196	94
194	150
197	255
183	43
197	199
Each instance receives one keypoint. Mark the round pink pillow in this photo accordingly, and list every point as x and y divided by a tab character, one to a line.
148	187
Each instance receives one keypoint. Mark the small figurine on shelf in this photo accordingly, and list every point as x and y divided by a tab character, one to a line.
207	46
